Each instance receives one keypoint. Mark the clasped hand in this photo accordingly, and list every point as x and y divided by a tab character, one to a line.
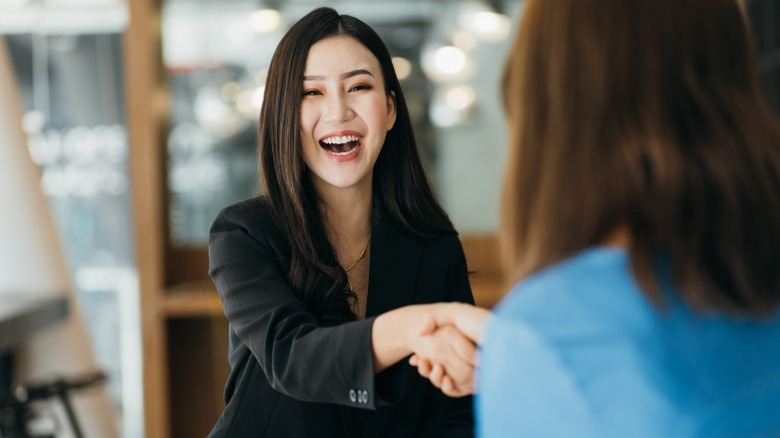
445	351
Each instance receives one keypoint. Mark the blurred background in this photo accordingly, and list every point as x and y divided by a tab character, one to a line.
141	117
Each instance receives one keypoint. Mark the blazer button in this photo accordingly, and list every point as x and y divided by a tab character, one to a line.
352	395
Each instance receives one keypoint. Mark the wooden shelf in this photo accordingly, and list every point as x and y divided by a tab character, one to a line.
192	301
488	290
484	263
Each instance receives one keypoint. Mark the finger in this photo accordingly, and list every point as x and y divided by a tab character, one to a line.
450	389
465	349
448	386
466	388
413	360
460	375
437	373
424	367
435	354
457	357
455	366
423	362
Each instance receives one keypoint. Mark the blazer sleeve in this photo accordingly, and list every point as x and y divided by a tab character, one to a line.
445	416
299	357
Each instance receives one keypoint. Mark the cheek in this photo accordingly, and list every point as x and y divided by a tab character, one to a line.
377	112
308	119
309	146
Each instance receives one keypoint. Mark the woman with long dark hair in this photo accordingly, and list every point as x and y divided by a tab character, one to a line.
325	276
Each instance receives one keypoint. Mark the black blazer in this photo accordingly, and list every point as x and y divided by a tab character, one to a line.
292	377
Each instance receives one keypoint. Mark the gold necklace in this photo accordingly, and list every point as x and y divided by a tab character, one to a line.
360	257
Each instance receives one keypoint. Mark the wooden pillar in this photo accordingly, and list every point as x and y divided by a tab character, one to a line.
143	86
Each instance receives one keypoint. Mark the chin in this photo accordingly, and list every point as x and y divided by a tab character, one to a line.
345	182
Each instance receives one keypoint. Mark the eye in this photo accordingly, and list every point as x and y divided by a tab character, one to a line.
361	87
312	92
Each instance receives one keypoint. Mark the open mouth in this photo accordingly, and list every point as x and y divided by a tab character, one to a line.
340	145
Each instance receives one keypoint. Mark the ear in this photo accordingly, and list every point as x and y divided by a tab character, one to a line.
390	110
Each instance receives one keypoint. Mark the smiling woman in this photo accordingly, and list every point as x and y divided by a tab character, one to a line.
327	277
345	113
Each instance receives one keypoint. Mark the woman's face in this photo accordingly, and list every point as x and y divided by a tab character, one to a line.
345	113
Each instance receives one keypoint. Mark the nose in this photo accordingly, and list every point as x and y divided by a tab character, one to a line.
337	108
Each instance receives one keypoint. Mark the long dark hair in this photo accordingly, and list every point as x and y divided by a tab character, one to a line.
647	115
400	185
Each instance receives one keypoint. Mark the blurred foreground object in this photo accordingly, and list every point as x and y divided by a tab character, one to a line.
32	263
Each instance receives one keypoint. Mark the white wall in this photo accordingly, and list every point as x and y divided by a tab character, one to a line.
470	157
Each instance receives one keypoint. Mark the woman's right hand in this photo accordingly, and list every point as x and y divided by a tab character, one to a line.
450	359
450	319
415	330
468	319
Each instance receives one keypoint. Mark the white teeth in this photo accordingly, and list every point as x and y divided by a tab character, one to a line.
340	140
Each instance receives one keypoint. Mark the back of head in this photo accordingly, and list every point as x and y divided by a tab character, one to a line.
648	116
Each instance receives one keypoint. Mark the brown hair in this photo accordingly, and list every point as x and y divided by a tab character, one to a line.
400	185
648	116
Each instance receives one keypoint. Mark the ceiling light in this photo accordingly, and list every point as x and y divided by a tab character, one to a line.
484	23
403	68
452	105
265	20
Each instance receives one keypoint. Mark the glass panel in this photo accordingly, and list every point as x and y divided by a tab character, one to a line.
215	82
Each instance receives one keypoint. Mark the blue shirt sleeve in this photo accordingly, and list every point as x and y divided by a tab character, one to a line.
524	389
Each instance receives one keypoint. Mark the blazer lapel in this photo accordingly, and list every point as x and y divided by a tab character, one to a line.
392	275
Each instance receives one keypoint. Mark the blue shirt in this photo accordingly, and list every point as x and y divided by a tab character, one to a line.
577	350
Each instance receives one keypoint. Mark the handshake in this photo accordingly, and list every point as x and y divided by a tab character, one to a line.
444	345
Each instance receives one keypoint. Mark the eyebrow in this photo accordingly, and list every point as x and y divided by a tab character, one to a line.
346	75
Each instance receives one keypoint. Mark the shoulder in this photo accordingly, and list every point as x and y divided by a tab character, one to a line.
587	333
248	209
592	290
252	216
248	222
588	270
446	241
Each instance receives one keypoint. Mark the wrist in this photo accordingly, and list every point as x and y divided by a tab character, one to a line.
409	325
392	337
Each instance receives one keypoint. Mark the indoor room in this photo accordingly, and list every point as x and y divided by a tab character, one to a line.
128	126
